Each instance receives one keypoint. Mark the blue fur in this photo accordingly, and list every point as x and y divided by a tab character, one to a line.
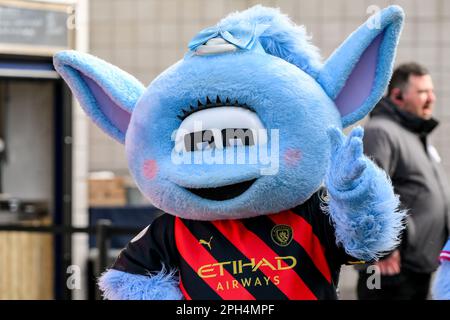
441	286
119	86
364	210
118	285
338	67
277	90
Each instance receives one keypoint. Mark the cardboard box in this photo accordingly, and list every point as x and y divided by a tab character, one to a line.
107	192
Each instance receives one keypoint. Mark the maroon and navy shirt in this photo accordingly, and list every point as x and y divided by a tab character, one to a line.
288	255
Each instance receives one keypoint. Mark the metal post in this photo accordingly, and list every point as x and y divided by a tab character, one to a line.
103	244
62	185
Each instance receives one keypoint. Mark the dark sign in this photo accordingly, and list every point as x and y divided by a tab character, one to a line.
33	27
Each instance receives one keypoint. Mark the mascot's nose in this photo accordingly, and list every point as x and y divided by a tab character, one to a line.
215	46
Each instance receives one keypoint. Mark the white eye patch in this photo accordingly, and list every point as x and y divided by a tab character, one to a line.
218	128
214	46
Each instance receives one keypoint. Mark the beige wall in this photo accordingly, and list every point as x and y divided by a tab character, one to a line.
144	37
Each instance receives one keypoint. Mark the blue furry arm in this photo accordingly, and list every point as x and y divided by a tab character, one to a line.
441	285
363	206
118	285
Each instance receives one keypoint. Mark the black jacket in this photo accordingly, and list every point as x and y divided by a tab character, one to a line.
397	141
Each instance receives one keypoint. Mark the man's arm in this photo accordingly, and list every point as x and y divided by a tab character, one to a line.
380	148
441	285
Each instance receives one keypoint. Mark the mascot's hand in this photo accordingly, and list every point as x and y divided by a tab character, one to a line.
347	161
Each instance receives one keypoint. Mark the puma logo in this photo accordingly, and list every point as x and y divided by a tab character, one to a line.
207	243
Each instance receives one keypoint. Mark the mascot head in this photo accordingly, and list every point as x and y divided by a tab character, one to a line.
237	128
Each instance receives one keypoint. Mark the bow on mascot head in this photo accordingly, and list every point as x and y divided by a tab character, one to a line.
241	144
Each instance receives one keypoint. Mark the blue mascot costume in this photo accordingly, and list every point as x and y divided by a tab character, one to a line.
241	144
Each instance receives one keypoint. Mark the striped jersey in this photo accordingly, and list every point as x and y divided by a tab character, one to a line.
288	255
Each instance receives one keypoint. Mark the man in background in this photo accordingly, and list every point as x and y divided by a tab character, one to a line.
396	138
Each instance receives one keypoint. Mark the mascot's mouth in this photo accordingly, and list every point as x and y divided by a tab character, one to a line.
223	193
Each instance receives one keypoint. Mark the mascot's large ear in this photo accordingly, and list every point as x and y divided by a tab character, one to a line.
358	72
106	93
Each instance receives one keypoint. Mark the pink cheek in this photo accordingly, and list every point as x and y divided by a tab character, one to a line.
292	157
150	169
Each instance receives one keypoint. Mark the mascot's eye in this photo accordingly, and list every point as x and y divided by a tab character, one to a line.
218	128
206	139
